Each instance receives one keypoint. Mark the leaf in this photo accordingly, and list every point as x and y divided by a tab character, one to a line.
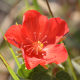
62	75
39	73
23	72
9	68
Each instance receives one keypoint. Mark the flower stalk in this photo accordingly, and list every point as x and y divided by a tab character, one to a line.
71	68
49	8
37	7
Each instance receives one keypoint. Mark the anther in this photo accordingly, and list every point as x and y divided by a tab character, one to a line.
44	38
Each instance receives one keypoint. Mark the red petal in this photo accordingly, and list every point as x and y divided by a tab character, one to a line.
62	29
33	24
14	35
50	31
30	20
30	23
32	62
55	53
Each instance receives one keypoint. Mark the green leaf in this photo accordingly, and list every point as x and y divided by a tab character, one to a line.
9	68
62	75
39	73
23	72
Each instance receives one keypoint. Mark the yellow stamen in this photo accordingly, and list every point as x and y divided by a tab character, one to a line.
41	45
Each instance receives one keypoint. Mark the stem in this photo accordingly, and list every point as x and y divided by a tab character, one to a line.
14	56
71	68
49	8
9	68
37	7
27	4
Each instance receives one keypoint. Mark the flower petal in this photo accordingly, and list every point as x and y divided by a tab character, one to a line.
30	20
33	24
32	62
14	35
50	31
62	29
55	53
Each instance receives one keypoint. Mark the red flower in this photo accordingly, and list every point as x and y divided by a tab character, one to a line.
37	37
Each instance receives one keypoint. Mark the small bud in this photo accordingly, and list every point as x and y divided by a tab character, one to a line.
16	23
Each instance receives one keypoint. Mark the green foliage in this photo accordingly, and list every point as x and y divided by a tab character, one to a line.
39	73
23	72
62	75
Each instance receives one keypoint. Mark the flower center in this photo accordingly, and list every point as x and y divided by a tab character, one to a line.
36	49
38	46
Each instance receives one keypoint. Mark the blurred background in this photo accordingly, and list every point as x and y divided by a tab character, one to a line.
11	11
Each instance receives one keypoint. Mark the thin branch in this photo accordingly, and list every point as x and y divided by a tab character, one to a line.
49	8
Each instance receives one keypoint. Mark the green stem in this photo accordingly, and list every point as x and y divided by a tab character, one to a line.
14	56
27	4
71	68
9	68
37	7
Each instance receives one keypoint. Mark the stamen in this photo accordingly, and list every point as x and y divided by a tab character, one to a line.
44	38
45	42
29	39
43	54
27	45
31	51
39	36
34	35
29	48
37	51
